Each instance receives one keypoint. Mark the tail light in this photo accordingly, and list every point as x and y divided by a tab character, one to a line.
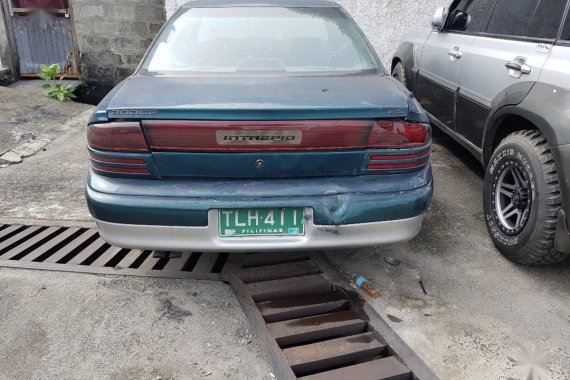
116	143
103	162
398	134
116	160
122	137
311	135
398	161
119	169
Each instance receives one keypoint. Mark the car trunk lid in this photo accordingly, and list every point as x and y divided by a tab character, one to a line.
260	127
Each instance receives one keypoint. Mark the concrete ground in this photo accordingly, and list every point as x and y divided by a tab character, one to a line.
480	316
27	115
77	326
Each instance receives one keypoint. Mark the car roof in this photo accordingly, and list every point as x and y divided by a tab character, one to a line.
261	3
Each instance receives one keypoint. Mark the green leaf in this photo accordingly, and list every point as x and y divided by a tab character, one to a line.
44	76
46	86
72	96
60	96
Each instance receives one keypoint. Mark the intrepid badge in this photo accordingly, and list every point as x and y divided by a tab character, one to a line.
259	137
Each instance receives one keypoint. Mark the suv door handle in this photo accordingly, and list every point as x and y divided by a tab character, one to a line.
455	54
518	67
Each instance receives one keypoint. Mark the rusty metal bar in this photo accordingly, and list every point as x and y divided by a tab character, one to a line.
324	326
389	368
303	306
288	287
260	259
279	271
333	353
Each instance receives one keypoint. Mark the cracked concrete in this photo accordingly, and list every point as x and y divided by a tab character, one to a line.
24	149
29	120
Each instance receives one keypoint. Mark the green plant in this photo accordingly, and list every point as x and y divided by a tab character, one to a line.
56	88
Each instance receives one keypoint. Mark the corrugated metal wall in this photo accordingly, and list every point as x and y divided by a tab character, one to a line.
44	38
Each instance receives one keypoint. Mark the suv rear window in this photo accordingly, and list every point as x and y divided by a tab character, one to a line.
270	39
527	18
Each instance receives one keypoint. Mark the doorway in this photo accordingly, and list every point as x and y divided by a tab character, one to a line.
44	33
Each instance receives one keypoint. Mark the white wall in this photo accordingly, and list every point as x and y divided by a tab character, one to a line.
384	21
172	5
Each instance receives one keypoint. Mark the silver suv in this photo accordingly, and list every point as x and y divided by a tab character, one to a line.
495	76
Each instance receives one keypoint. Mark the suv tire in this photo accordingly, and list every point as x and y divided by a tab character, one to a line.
522	199
399	72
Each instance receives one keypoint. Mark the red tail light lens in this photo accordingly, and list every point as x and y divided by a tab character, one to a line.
307	135
408	165
398	134
231	136
116	169
124	137
113	160
394	161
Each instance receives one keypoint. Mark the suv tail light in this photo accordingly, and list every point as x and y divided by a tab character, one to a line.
121	136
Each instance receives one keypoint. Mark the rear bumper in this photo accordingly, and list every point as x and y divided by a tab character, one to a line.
169	238
182	214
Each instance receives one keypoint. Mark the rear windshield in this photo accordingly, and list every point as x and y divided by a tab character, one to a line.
270	39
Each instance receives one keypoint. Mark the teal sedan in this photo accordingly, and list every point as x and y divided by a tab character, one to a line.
254	126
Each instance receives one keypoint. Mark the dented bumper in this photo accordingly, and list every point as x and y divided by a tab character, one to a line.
179	214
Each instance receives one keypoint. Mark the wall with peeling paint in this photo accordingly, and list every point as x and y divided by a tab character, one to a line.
383	21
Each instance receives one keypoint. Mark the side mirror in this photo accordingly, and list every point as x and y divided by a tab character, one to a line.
438	19
459	20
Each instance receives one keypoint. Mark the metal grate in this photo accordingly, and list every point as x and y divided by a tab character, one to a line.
77	247
313	328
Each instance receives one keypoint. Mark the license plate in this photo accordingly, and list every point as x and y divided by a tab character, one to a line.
262	222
